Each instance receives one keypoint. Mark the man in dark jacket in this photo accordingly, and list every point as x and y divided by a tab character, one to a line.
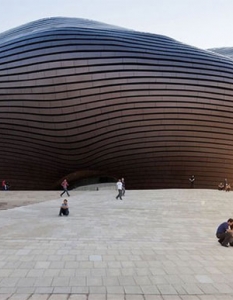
224	233
64	209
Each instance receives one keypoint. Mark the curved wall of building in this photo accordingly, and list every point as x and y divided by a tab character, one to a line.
80	99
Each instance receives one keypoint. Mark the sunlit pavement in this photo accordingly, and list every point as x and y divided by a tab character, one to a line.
153	245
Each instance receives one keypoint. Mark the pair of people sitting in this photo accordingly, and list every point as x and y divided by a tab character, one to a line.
64	209
221	187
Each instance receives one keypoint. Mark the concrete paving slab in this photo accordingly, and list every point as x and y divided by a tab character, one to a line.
155	244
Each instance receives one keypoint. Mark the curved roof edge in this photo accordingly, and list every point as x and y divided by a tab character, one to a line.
56	23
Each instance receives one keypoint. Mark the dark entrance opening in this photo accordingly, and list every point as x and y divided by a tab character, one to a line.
91	180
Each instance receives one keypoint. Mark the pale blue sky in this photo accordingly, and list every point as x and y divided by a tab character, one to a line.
201	23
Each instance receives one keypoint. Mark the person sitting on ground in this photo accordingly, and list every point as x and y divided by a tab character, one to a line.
224	233
228	187
64	209
221	186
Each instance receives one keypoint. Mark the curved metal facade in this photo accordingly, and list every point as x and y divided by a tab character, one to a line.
80	98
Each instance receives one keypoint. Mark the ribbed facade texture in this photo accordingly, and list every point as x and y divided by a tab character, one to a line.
82	99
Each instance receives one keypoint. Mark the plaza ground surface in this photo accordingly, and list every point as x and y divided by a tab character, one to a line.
153	245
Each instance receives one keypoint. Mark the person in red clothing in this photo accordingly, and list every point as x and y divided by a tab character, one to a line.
64	185
4	185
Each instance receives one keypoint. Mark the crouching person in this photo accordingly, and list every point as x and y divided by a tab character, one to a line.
225	233
64	209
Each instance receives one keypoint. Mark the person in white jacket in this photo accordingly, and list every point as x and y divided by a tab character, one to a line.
119	188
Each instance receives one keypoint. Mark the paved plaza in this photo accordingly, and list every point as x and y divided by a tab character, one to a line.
153	245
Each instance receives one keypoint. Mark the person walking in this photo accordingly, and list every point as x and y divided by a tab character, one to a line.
65	185
119	188
123	186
